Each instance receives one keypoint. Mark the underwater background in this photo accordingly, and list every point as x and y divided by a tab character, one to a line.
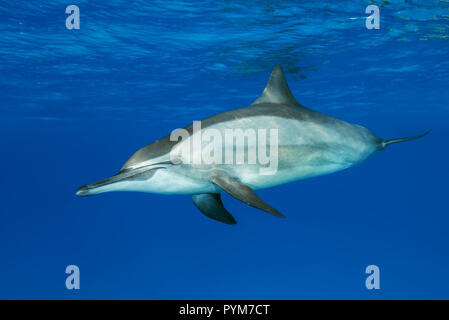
75	104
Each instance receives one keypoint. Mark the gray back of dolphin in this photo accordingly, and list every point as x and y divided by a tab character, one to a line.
310	144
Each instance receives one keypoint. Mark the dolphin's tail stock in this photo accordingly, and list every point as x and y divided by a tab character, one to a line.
397	140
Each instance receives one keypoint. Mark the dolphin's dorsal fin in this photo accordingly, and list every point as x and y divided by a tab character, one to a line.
277	90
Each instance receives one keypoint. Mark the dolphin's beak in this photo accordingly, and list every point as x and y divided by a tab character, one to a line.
98	187
110	184
82	191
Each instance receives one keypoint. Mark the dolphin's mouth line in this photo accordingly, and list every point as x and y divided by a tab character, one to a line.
144	172
163	164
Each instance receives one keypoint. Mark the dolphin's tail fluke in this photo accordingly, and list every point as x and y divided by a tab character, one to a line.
391	141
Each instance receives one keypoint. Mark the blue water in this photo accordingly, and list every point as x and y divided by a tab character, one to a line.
75	104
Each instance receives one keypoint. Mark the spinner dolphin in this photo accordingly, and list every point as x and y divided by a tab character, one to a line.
308	144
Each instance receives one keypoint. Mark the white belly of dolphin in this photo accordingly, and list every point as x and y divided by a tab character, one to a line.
164	182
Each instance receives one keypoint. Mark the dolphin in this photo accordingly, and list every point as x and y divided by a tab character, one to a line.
308	144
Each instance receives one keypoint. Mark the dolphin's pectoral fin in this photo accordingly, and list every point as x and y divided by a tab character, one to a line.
244	193
210	205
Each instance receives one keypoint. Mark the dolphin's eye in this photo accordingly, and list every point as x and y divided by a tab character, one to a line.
175	160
